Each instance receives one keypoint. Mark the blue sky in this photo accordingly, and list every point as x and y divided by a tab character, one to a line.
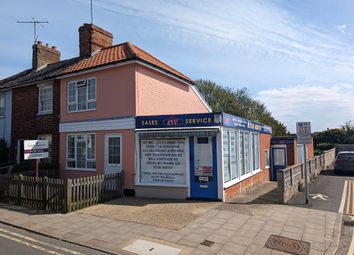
295	56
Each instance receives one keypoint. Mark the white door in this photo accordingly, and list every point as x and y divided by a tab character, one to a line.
113	153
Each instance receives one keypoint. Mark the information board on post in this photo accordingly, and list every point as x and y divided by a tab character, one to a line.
35	149
163	161
303	132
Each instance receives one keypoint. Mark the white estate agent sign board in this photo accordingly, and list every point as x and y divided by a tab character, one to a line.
35	149
303	132
163	162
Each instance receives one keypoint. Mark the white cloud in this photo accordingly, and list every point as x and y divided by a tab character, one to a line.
343	29
254	26
325	107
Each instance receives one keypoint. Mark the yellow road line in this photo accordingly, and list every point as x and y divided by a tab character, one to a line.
351	247
40	242
348	198
344	197
31	245
352	208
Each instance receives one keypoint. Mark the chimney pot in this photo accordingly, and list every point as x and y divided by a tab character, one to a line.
42	55
93	38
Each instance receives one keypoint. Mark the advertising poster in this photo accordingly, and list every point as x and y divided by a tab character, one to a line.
163	162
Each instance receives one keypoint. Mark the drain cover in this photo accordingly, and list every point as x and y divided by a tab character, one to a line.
207	243
142	247
349	223
288	245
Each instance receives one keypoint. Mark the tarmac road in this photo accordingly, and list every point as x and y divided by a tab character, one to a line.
325	192
17	241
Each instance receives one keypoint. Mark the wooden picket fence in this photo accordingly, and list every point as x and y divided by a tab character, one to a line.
59	195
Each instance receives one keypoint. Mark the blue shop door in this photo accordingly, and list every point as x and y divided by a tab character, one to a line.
203	168
278	161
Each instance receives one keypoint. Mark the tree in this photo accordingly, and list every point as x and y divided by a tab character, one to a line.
343	135
238	102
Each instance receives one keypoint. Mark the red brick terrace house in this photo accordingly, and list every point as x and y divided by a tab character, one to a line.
33	100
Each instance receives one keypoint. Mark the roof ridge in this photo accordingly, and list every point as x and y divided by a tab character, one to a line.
131	49
181	74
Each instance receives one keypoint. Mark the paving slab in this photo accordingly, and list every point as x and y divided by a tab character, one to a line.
233	228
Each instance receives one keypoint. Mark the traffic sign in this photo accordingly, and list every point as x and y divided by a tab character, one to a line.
303	132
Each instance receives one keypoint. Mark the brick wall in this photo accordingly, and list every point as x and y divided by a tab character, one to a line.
27	124
291	154
43	54
93	38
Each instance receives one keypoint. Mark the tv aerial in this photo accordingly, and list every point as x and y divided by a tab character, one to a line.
35	23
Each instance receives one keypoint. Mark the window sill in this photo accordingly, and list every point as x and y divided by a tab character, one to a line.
244	177
161	185
44	113
89	110
80	169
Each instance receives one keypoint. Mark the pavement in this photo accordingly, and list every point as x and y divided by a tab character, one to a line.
165	213
223	229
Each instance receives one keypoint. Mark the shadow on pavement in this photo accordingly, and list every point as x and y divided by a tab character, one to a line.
264	193
24	210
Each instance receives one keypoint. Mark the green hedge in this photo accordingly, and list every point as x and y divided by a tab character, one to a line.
31	166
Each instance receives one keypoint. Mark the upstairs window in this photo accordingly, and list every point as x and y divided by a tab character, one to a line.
82	95
45	104
2	105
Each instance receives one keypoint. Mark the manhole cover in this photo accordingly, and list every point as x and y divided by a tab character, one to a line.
288	245
207	243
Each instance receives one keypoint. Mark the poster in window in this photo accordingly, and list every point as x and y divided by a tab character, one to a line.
163	162
233	155
226	155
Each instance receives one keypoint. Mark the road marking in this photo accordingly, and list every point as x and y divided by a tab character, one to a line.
352	208
40	242
351	247
320	196
31	245
344	196
348	198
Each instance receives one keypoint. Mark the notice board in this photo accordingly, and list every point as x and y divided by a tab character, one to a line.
163	161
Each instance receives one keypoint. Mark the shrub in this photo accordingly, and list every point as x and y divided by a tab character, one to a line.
4	152
30	165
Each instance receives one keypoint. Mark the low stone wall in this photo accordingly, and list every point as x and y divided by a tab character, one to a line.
291	179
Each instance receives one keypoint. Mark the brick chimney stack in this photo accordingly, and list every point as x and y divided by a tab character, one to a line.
44	54
93	38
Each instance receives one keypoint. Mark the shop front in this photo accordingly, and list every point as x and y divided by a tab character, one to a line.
185	156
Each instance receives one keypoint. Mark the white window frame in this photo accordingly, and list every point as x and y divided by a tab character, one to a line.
267	159
2	104
75	149
76	102
40	88
117	167
252	172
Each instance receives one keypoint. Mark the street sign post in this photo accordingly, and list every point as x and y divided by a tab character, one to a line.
35	149
303	133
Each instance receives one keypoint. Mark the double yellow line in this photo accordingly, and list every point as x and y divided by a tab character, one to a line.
349	200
